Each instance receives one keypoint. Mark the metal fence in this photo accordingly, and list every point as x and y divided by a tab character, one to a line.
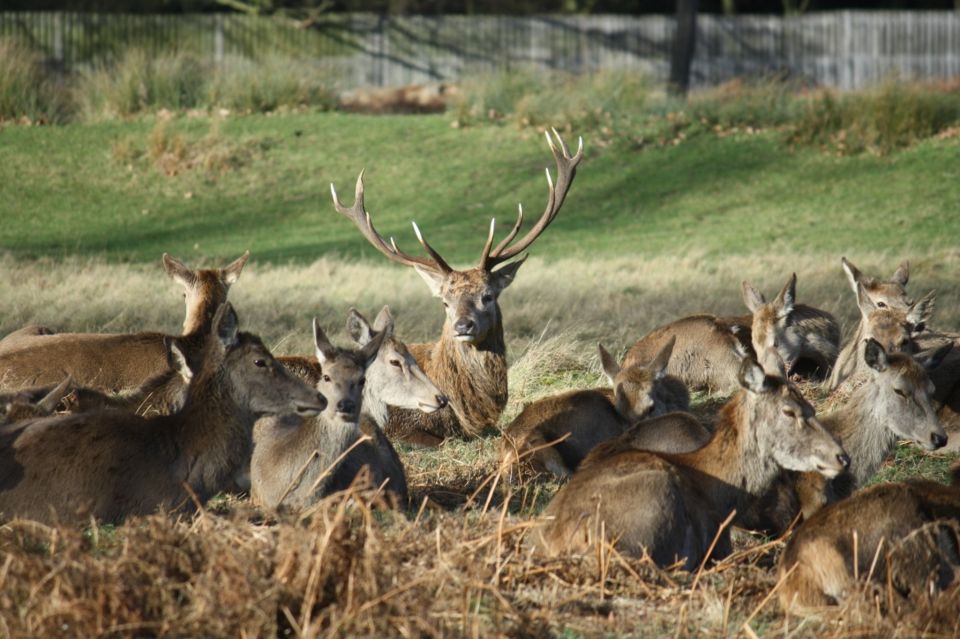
844	49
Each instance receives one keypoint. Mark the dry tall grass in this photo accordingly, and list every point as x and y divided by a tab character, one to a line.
457	563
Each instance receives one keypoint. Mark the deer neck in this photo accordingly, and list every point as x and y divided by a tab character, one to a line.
473	376
734	466
861	425
213	435
373	406
847	360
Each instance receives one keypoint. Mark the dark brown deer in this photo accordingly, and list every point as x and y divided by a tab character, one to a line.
903	535
112	464
29	403
117	361
297	462
468	362
672	506
710	349
555	433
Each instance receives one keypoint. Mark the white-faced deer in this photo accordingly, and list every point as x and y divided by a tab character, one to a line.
116	361
895	330
892	402
555	433
710	349
672	506
113	464
468	362
297	462
903	536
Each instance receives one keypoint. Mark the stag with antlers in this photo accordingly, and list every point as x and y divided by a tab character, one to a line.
468	362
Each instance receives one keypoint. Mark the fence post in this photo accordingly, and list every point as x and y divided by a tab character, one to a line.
218	39
846	51
58	38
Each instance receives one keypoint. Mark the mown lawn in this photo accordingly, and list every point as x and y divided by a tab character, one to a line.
262	183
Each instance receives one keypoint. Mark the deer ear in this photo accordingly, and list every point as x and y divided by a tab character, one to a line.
371	349
660	362
853	273
919	313
325	350
931	359
434	279
787	297
902	275
863	300
503	276
177	360
610	366
874	355
751	297
227	325
384	321
178	271
752	377
231	272
358	328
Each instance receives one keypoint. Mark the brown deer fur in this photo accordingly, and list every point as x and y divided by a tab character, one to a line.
297	462
587	417
672	506
709	349
117	361
864	535
112	464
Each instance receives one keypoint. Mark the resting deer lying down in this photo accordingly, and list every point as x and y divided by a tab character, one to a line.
588	417
112	464
906	536
891	401
117	361
468	362
709	349
297	462
672	506
16	406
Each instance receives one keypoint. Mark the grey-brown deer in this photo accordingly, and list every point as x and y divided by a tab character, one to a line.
112	464
555	433
118	361
892	401
468	361
297	462
903	536
709	349
672	506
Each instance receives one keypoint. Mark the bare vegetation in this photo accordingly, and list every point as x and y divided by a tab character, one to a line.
457	562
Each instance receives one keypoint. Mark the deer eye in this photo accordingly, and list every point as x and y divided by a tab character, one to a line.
789	412
260	363
881	304
486	298
902	393
326	378
396	362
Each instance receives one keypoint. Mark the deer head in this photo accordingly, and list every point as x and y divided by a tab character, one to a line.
771	321
343	375
204	290
894	328
470	296
634	387
884	294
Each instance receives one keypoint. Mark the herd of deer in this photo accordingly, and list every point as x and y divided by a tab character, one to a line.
146	422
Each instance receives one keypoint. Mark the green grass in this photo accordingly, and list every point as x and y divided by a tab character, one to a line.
73	190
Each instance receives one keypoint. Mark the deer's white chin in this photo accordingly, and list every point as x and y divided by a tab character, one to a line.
467	339
428	408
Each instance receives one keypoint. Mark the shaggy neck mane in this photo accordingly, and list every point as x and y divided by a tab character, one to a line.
861	425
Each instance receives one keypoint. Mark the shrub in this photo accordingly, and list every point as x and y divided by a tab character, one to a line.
28	88
270	83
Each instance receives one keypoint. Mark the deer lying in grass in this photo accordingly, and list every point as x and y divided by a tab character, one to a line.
904	535
894	328
297	462
118	361
555	433
892	401
709	349
468	361
672	506
112	464
16	406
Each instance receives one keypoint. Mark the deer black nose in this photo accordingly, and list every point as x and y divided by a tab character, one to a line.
844	460
442	400
346	406
938	440
465	326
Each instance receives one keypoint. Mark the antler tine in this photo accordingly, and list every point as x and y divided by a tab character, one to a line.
361	219
485	253
556	194
513	232
439	261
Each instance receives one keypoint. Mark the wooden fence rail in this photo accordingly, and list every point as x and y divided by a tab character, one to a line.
846	49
